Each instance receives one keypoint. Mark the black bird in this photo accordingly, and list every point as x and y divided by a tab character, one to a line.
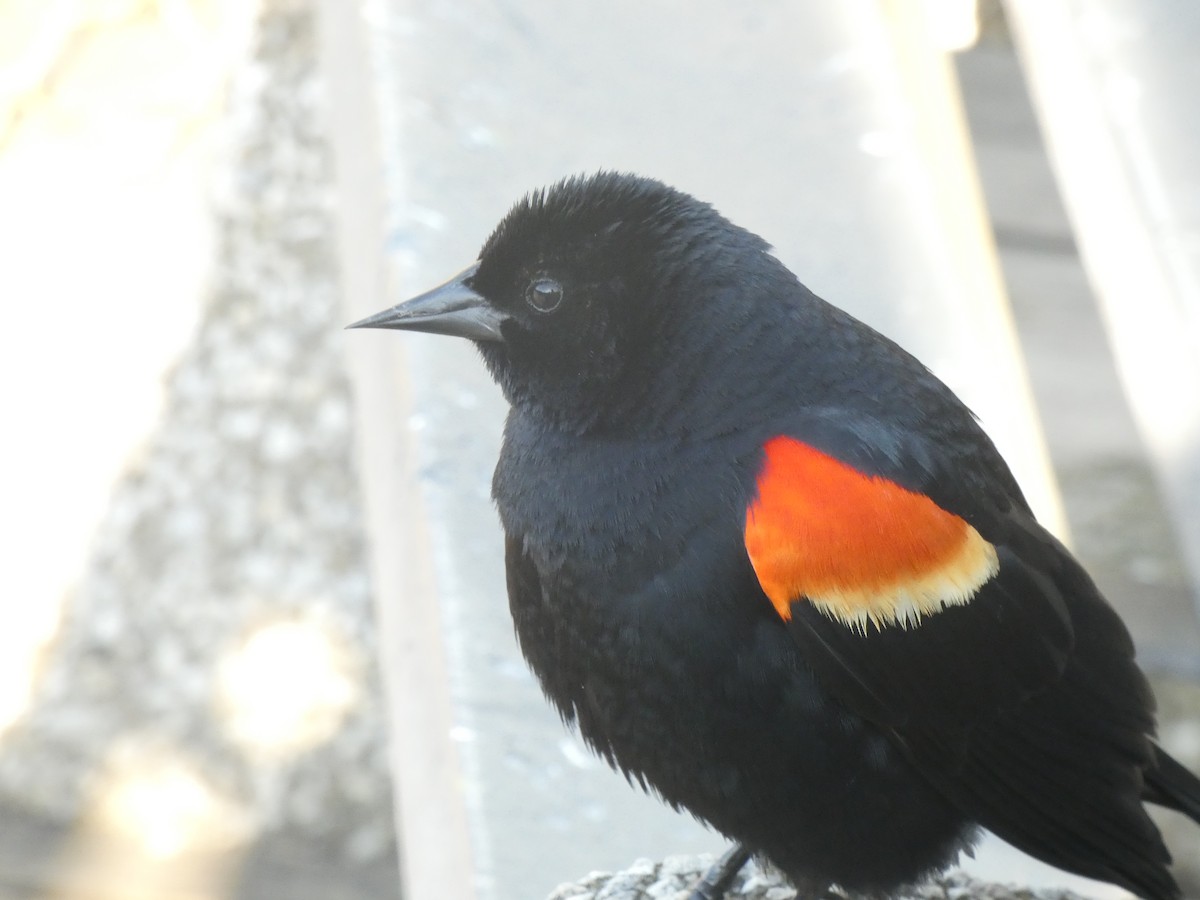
774	570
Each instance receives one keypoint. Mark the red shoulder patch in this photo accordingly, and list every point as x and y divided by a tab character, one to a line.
861	548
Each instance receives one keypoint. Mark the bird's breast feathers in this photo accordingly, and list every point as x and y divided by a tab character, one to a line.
860	548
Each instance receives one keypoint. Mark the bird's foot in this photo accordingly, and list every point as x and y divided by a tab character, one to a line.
718	878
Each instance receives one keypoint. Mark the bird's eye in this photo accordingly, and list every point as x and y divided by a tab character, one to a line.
544	294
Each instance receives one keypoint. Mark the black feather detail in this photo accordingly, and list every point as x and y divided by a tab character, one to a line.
1169	784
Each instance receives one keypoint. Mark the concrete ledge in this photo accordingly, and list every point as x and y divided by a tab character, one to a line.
674	877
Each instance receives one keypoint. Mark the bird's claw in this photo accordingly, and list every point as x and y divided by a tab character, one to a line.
717	879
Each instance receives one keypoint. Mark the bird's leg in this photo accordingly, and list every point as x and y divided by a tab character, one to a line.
718	878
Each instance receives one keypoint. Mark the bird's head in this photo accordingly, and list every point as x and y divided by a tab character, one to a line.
588	292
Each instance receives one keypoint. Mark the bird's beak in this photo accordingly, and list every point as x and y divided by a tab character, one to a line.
452	308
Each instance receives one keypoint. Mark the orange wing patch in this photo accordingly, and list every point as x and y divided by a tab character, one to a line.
860	548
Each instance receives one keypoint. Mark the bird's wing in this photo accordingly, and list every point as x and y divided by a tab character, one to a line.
930	602
918	615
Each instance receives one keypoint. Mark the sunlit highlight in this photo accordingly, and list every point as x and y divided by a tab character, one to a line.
162	804
953	24
287	687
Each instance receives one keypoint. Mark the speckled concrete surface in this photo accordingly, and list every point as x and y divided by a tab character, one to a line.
240	516
673	877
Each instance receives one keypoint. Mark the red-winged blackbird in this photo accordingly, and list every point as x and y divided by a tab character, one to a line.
774	570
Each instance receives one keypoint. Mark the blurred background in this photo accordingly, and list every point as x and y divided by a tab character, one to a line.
189	691
227	525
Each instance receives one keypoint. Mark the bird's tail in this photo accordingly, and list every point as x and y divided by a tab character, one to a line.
1169	784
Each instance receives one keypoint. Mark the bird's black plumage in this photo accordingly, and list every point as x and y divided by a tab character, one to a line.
745	639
